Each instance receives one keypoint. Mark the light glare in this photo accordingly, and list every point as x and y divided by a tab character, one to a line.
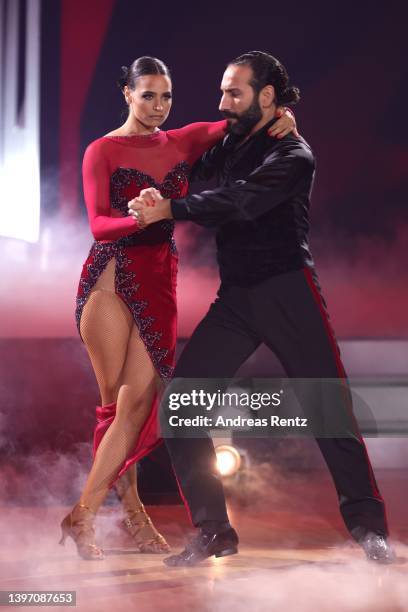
228	460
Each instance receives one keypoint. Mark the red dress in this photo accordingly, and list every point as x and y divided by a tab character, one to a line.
115	170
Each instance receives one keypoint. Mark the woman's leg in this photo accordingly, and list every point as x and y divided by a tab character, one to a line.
106	326
138	385
137	388
120	361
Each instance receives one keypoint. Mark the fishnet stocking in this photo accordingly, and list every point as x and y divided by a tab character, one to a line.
134	401
125	374
126	489
106	325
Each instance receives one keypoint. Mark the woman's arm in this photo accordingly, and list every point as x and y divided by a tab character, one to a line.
196	138
212	159
96	178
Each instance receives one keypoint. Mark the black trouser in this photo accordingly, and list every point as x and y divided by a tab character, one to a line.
287	313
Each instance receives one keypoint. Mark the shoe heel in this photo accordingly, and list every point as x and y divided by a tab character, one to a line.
64	535
227	551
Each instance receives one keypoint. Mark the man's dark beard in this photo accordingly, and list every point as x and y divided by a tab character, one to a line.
245	121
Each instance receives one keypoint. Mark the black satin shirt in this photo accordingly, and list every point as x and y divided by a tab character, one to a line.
261	207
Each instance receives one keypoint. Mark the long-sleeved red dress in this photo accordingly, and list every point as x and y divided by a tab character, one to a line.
115	170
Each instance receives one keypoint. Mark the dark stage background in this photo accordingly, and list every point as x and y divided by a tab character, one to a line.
349	61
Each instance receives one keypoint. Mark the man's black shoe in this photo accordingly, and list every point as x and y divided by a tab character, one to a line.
206	545
377	548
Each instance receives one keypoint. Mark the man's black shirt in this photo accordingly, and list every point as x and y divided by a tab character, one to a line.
261	207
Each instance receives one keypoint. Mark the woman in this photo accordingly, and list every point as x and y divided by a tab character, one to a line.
126	303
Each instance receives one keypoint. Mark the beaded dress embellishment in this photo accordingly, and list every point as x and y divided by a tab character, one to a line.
126	284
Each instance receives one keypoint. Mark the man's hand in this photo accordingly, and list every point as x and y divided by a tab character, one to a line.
149	207
285	124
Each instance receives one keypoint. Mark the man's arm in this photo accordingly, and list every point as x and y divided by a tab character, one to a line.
274	181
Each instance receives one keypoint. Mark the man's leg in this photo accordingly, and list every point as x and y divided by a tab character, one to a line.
295	326
217	348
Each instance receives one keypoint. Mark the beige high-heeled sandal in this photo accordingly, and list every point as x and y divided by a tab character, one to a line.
79	525
145	535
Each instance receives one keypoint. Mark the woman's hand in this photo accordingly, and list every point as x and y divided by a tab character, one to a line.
147	197
150	196
149	207
285	123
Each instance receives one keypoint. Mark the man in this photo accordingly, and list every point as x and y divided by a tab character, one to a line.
268	293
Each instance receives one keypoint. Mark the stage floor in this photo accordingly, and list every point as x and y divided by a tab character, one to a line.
294	556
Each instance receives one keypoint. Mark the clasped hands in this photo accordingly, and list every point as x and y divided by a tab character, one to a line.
149	207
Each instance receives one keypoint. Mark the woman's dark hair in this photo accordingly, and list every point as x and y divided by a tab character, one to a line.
141	66
267	70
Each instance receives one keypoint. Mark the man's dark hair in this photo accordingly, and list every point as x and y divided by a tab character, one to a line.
142	66
267	70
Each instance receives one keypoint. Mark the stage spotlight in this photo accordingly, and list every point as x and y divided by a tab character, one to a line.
20	120
228	460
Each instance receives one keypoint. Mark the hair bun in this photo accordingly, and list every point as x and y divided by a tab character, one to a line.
290	95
